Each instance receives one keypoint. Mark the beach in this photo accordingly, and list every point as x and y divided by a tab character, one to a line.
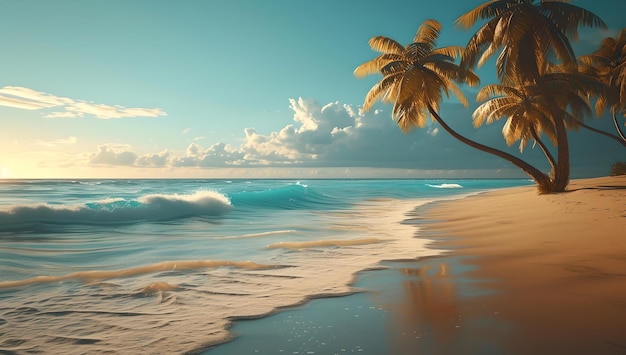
556	263
520	273
312	267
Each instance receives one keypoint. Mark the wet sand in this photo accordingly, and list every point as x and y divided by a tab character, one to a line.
521	274
556	264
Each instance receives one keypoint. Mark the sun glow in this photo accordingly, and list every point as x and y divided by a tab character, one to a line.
4	173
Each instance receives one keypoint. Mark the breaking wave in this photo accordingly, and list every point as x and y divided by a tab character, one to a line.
153	207
446	186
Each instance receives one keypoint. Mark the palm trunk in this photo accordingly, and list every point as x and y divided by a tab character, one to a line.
617	127
543	181
621	139
562	169
543	147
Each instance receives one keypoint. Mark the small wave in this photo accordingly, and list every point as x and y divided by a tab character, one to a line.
91	276
257	235
323	243
446	186
288	197
157	287
154	207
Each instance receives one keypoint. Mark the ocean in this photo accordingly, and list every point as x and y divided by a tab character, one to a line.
166	265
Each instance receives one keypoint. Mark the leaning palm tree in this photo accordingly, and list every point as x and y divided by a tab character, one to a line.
414	79
527	115
527	33
533	108
609	63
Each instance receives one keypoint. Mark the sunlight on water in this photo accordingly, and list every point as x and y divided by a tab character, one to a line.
160	266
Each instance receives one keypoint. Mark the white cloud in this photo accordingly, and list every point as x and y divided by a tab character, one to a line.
57	142
217	155
28	99
154	160
339	136
113	155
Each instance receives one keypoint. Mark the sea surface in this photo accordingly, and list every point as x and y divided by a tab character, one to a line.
154	266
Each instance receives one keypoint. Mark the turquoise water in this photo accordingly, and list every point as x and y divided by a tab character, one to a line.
143	266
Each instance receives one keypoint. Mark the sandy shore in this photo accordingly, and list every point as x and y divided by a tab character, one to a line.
553	266
521	274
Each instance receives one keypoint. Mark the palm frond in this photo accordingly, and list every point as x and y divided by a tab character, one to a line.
569	17
478	43
371	67
428	32
489	9
449	51
379	90
385	45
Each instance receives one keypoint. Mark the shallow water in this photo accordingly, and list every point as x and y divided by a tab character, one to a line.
150	265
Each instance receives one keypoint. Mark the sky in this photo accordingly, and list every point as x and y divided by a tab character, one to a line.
239	89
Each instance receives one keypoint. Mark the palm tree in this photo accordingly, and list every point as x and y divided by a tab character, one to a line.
414	78
526	115
533	107
609	63
527	33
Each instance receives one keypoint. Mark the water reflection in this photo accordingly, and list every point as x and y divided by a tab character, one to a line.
439	311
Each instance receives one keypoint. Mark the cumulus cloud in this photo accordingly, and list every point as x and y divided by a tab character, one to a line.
338	135
28	99
113	155
331	135
154	160
217	155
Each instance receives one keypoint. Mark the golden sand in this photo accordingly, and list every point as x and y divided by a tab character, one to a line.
556	263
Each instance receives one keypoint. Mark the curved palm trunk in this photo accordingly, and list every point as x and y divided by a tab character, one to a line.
543	147
562	169
539	177
617	127
621	141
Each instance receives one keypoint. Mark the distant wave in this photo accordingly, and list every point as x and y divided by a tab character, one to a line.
446	186
292	196
153	207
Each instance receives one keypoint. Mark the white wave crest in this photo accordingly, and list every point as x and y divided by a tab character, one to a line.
155	207
446	186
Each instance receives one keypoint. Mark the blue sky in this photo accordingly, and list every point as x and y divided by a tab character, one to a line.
241	88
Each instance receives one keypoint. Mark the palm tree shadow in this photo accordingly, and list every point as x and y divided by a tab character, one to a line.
601	187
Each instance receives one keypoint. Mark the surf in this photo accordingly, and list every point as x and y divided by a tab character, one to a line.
111	211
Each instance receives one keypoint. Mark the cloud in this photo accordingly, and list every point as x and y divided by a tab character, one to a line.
338	135
113	155
57	142
154	160
217	155
28	99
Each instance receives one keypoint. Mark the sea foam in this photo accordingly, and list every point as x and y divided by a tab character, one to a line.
152	207
446	186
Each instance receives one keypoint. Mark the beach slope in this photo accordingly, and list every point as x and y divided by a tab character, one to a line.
554	265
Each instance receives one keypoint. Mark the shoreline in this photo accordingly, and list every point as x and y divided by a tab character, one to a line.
556	263
487	292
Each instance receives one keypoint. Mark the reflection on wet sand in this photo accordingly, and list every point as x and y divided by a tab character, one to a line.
440	312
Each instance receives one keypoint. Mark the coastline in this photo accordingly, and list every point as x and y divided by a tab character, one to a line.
519	273
556	263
